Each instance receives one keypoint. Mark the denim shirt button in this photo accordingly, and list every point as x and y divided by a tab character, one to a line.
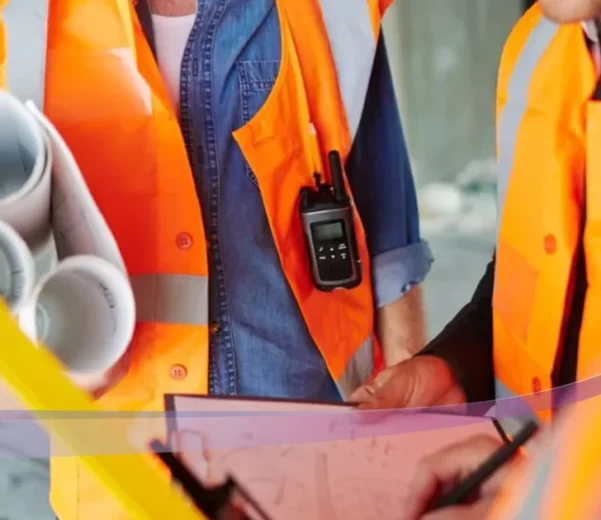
214	329
183	240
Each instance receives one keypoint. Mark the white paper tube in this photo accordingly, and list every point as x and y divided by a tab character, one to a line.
84	312
17	271
25	180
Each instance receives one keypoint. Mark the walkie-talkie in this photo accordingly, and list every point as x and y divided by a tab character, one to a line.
327	216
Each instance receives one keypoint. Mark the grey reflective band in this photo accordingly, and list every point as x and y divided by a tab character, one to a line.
353	43
531	508
509	406
171	298
358	370
26	24
517	103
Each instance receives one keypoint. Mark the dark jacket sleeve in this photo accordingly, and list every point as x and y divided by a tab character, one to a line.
466	342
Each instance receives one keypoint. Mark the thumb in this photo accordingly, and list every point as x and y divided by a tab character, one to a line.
194	450
373	389
392	388
419	382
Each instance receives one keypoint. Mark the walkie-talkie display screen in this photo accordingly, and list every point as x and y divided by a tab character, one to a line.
330	231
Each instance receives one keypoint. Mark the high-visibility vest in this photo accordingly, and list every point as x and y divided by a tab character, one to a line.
561	481
549	132
104	93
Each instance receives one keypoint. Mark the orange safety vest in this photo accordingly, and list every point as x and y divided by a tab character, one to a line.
549	132
104	93
562	480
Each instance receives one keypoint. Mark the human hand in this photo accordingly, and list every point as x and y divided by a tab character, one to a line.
195	452
418	382
440	472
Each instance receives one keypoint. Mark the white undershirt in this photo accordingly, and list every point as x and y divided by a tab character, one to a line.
170	37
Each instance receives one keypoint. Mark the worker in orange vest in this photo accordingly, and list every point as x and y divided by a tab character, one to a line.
196	125
533	322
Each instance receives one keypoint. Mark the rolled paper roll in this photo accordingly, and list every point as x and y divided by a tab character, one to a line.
84	312
25	178
17	270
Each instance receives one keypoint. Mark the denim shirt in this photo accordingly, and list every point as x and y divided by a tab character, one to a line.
259	342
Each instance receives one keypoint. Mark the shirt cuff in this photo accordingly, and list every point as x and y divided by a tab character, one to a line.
396	271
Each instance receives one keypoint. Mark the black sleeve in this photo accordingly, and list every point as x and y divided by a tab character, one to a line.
466	342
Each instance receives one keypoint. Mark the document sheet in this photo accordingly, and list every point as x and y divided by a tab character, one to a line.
306	460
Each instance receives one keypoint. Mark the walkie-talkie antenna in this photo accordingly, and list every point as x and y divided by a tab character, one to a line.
336	174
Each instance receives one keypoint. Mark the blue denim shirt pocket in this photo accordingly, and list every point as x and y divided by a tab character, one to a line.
256	80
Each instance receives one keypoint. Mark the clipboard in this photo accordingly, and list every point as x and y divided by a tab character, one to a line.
382	493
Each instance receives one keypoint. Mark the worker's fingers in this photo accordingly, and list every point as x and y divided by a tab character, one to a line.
367	389
441	471
419	382
195	451
363	393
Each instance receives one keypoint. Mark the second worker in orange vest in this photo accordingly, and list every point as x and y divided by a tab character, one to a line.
534	322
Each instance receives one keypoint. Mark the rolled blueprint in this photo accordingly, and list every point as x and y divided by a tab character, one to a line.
25	180
84	312
78	226
17	271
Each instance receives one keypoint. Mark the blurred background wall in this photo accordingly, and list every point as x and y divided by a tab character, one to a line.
444	56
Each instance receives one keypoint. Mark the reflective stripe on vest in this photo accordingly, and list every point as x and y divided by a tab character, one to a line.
512	115
561	479
509	405
353	45
358	370
532	506
524	494
171	298
510	119
26	26
539	198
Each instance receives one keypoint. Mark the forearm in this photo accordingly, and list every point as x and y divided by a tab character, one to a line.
401	326
381	179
